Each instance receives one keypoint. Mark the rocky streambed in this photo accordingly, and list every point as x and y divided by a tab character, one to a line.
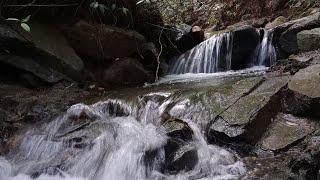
244	124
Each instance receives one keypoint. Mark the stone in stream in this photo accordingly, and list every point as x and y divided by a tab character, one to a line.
308	40
180	155
45	56
250	115
285	130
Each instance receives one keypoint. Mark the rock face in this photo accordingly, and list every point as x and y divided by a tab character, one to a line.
127	71
287	32
308	40
285	130
307	82
39	53
245	40
102	42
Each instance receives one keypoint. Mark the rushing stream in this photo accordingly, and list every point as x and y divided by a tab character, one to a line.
113	139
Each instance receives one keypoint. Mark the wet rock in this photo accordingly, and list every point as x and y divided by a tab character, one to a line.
127	71
179	154
177	128
308	40
251	113
103	42
286	130
307	82
245	40
278	21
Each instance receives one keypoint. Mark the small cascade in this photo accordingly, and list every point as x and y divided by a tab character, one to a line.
113	140
212	55
265	53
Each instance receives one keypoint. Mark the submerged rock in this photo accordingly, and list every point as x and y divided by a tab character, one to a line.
308	40
285	130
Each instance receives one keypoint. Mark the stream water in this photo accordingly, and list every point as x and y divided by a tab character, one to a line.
113	138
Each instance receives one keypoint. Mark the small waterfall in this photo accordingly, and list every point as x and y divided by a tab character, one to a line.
111	140
215	55
265	53
212	55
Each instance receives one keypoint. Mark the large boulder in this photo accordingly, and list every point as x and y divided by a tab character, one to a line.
308	40
245	40
99	41
44	49
251	113
307	82
286	34
278	21
126	71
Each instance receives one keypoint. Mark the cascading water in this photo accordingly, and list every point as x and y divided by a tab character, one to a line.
215	55
111	140
212	55
265	53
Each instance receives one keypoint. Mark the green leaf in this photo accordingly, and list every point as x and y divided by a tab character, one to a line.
12	19
26	19
125	11
25	27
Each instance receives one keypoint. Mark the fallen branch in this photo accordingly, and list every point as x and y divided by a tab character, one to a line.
158	57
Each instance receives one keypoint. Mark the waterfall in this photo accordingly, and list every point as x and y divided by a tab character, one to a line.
265	53
215	55
111	140
212	55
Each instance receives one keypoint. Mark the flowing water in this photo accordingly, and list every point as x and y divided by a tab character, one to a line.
215	55
112	139
212	55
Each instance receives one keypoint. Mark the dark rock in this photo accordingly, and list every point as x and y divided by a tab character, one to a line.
179	154
125	71
245	40
103	42
286	34
50	53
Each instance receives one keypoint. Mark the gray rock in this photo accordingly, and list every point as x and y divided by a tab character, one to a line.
307	82
251	114
285	130
278	21
308	40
